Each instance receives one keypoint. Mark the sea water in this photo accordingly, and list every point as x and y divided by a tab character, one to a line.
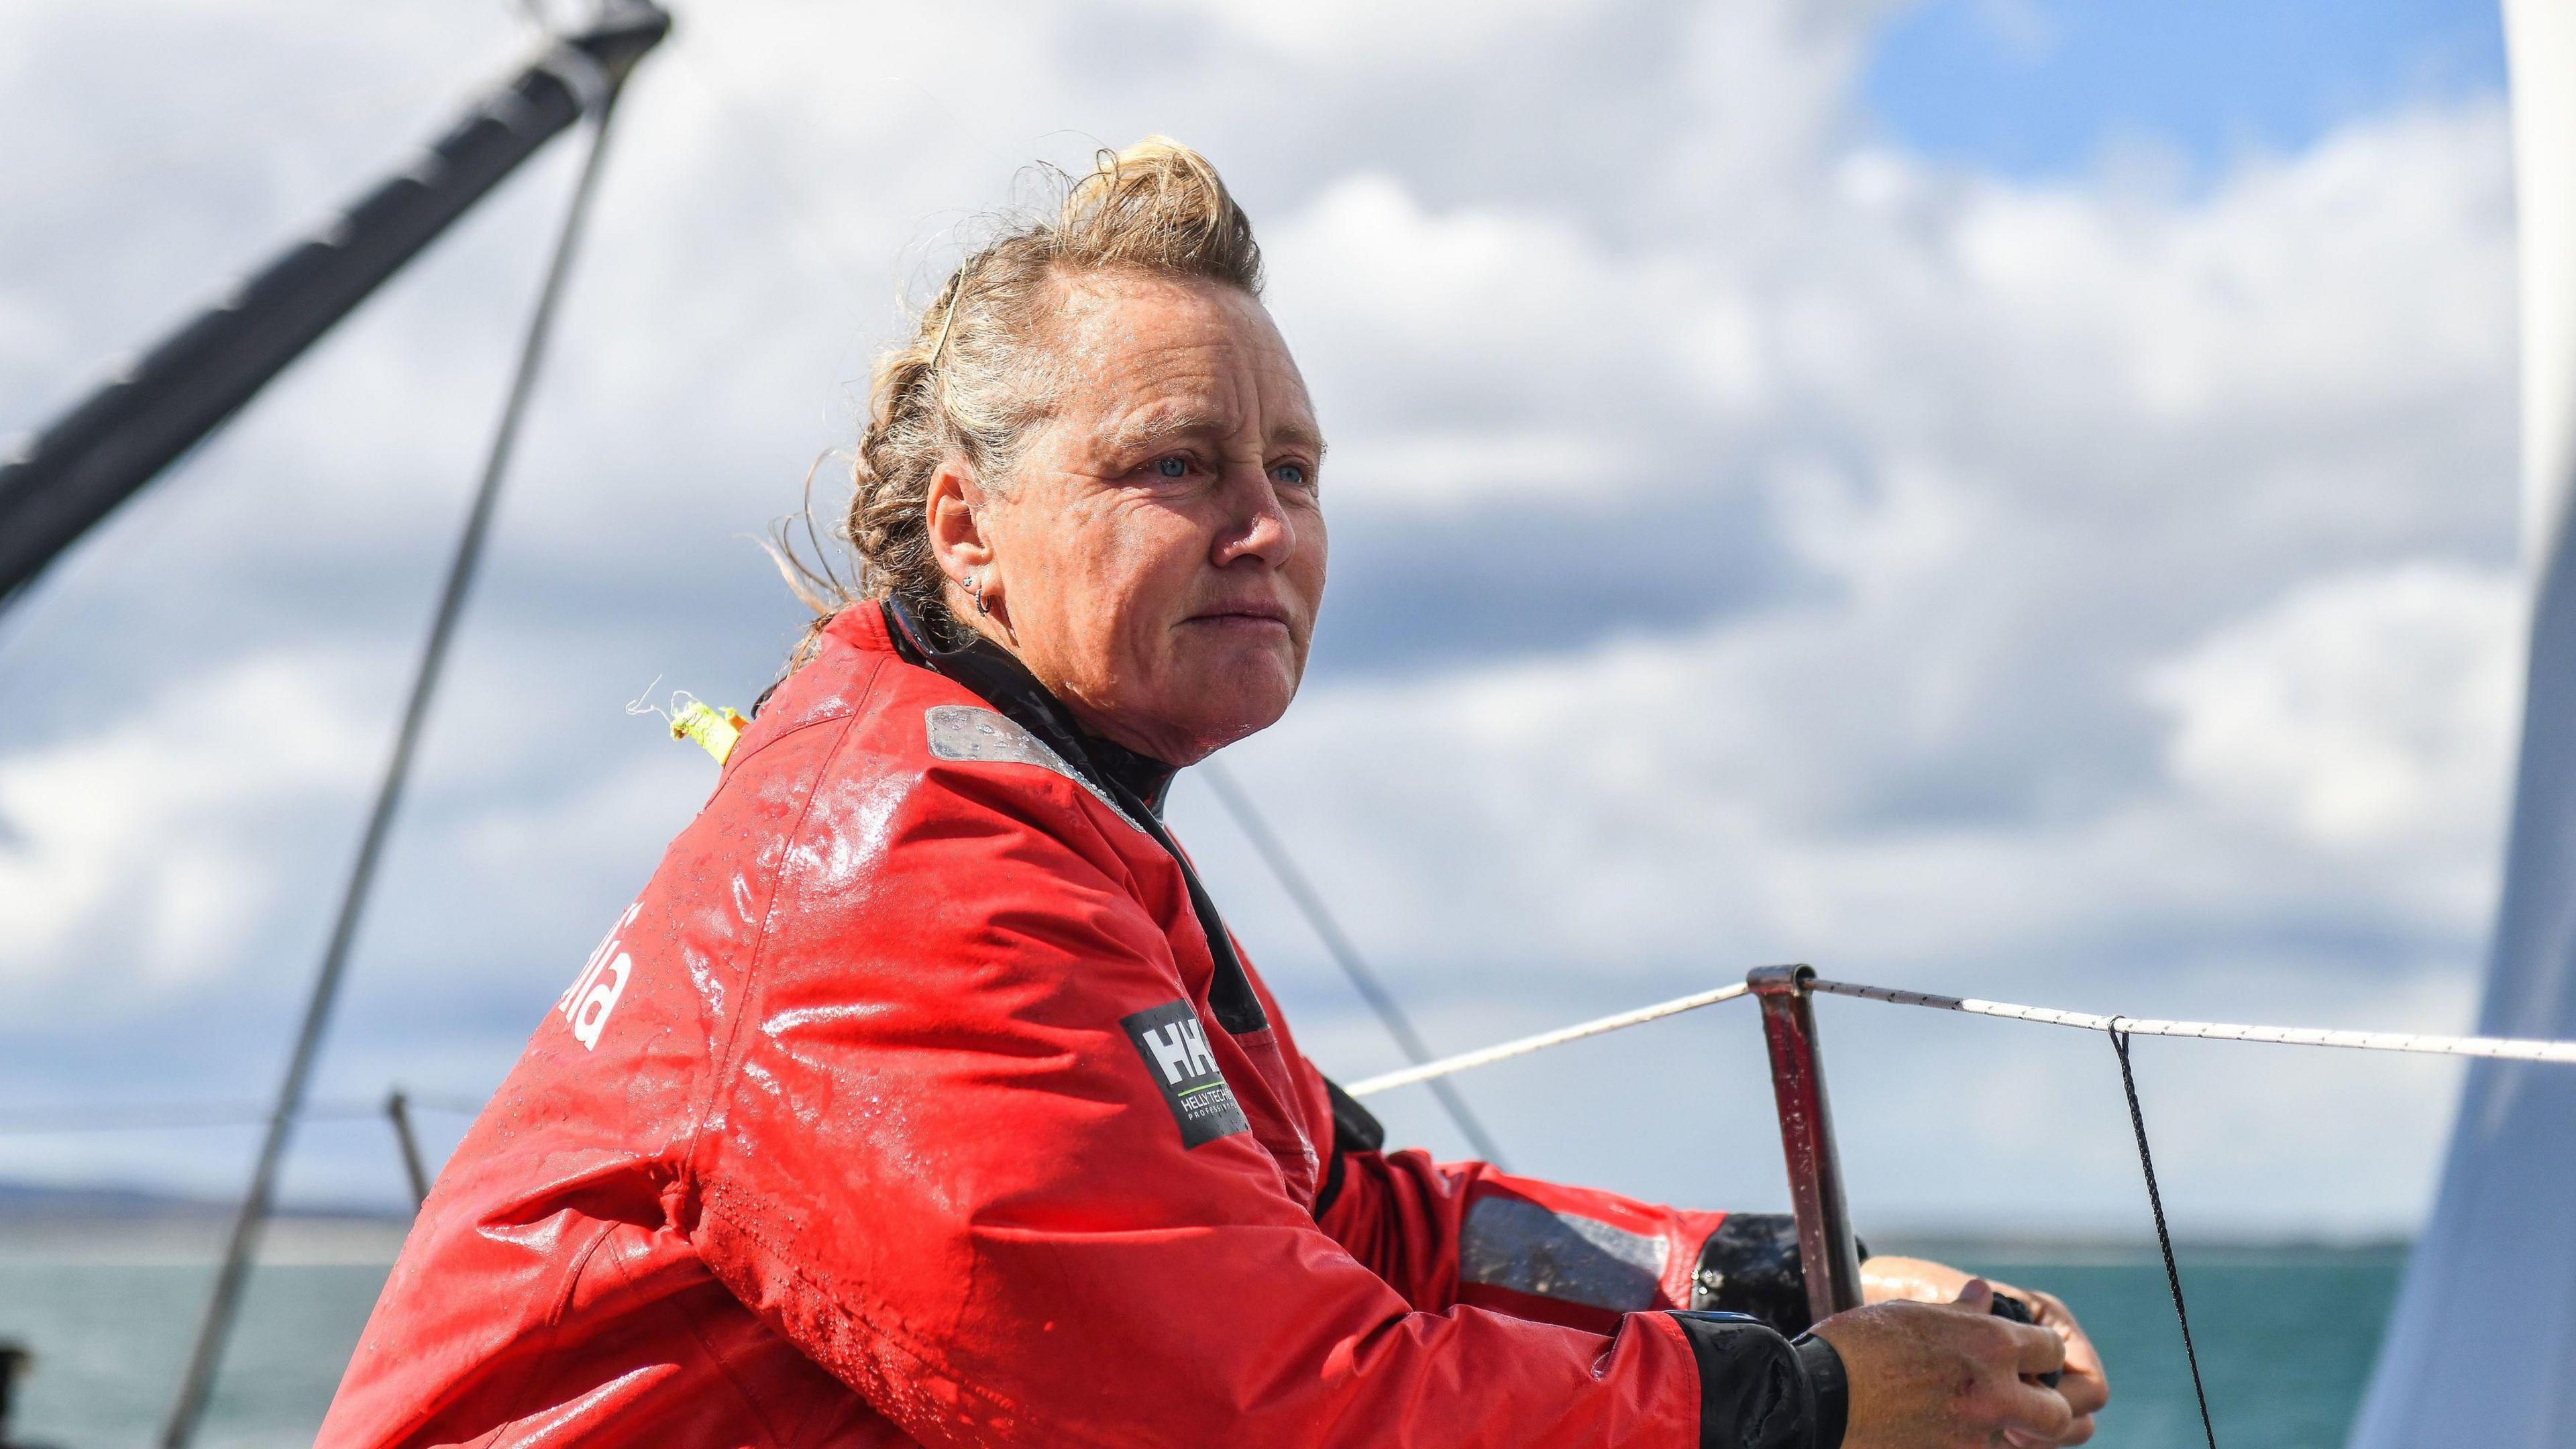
2285	1340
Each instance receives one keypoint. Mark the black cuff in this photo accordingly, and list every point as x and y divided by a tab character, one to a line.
1825	1379
1756	1391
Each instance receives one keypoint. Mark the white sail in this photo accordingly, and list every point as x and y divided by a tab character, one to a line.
2482	1347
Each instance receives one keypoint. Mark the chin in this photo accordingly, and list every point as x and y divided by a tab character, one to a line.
1227	705
1199	738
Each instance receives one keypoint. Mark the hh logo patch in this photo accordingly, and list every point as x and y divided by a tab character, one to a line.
1176	1055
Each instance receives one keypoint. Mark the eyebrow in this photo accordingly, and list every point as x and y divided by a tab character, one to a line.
1138	434
1298	435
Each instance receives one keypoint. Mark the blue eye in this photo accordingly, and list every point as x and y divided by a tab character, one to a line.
1292	474
1172	467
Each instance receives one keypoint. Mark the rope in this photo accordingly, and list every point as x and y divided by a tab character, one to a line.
1525	1045
2501	1048
157	1115
207	1355
1366	982
2164	1238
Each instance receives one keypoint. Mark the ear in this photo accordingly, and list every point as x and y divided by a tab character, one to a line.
953	509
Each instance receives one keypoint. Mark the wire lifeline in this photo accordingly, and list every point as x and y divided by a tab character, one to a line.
1523	1046
1390	1014
2164	1238
197	1386
2500	1048
152	1116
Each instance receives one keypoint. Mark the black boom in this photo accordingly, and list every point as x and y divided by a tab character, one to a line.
100	453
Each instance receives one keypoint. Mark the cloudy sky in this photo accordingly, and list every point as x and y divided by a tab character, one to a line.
1993	496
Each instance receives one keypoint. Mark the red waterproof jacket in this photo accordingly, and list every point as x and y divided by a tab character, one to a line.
913	1102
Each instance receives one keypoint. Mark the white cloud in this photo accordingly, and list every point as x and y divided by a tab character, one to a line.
1349	32
123	849
2363	710
2133	627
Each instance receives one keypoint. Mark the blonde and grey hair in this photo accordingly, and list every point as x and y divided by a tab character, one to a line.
979	370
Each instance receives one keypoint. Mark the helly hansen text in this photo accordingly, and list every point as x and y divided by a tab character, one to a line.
1173	1045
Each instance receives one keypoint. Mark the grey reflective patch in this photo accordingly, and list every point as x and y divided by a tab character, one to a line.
964	732
1515	1244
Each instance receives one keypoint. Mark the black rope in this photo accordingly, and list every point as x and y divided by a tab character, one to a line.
1363	980
2164	1238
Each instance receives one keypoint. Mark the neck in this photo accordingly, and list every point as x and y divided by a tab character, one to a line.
996	675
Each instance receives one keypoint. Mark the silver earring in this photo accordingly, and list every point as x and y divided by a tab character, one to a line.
976	590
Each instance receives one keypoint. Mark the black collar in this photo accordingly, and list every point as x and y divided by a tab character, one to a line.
1138	783
1006	684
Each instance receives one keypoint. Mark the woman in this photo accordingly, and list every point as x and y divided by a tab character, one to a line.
922	1097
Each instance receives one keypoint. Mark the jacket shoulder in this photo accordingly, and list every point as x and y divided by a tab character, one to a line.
905	729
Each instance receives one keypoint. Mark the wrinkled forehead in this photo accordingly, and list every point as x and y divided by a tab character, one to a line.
1138	355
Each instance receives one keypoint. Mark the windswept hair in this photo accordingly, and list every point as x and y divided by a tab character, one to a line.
979	370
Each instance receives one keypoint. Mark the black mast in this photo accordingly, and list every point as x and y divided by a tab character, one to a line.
100	453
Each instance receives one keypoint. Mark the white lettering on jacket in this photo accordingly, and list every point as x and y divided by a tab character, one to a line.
1171	1052
1181	1050
593	994
1202	1061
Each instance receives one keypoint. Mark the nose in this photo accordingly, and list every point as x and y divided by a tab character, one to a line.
1256	526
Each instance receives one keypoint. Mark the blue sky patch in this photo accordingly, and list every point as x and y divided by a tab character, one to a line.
2043	88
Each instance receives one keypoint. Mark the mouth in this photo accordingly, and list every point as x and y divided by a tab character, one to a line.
1253	614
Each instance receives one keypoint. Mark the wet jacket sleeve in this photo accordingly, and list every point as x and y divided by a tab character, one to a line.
933	1157
1465	1232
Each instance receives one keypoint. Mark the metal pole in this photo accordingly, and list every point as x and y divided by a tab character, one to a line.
207	1356
398	1111
1826	1252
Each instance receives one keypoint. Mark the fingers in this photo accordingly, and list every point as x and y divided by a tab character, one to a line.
2020	1407
2076	1433
1924	1374
2031	1415
2081	1357
2084	1392
2086	1387
2035	1414
1891	1279
2036	1350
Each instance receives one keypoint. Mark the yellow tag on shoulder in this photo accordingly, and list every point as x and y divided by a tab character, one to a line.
714	729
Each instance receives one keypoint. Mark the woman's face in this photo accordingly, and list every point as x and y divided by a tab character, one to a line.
1157	558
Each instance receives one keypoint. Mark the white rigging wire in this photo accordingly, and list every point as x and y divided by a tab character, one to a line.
1525	1045
2516	1049
110	1117
2499	1048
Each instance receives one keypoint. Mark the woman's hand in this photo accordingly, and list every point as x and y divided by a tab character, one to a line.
2083	1387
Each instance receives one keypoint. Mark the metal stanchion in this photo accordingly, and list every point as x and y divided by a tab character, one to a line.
1826	1252
398	1111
